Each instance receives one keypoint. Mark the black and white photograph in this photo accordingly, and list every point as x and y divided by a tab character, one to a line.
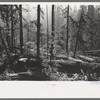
49	42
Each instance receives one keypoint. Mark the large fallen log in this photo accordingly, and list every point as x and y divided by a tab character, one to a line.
73	63
66	62
68	66
16	74
97	59
93	53
75	66
85	58
64	57
91	65
76	60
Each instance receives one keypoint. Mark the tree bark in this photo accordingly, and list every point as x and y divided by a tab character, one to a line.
67	29
76	44
85	58
38	33
47	33
4	45
61	57
53	22
93	51
12	31
21	29
91	37
7	24
73	63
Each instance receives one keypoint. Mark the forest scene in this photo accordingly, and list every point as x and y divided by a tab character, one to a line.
49	42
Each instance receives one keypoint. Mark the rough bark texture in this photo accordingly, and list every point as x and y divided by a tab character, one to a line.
12	31
21	29
67	29
38	33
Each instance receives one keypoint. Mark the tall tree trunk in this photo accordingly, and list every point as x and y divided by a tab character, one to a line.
5	47
7	24
47	33
12	31
67	29
28	33
76	43
38	34
91	41
21	29
52	35
28	24
53	27
53	22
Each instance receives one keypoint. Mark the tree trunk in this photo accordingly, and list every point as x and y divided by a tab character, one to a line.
67	29
76	44
76	60
38	34
7	35
12	31
53	22
21	29
47	33
91	41
60	56
73	63
28	24
5	47
28	33
85	58
52	35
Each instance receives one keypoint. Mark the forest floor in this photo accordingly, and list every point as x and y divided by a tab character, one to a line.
62	68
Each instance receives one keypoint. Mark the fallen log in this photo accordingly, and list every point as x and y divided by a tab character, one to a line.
75	66
85	58
16	74
61	57
66	62
68	66
73	61
97	59
85	62
76	60
93	53
91	65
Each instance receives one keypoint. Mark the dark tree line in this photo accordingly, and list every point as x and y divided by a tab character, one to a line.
9	14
